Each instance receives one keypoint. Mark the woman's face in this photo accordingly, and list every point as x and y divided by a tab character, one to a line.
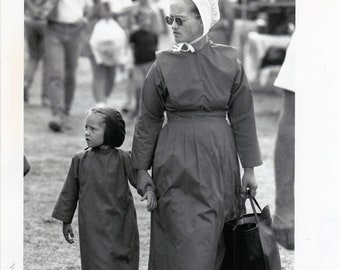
192	26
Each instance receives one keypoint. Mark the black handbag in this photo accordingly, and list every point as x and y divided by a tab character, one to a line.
250	243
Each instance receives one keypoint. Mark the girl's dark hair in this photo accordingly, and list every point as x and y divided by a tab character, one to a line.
114	134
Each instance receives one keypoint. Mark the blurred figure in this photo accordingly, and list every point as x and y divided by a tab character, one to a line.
284	158
96	13
222	31
160	15
62	43
157	27
107	43
157	23
144	43
35	26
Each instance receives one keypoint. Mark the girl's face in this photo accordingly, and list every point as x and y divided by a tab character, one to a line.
192	26
94	130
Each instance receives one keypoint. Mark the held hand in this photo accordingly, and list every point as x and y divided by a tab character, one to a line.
144	180
150	196
249	182
67	231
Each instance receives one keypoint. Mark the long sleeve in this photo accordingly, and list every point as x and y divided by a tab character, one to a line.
128	170
242	118
150	119
68	198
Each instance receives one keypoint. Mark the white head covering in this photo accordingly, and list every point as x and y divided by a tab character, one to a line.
209	11
210	14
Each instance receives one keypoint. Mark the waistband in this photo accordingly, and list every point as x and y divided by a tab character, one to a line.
199	115
71	25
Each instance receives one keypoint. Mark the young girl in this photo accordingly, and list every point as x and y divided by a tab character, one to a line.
97	178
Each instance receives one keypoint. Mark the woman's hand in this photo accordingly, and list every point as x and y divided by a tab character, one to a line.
249	182
67	231
144	180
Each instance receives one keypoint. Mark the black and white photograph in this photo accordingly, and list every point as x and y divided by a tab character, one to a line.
168	134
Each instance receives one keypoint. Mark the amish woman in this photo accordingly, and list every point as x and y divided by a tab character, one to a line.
195	155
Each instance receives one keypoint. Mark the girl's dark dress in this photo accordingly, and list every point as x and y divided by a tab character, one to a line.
194	157
108	232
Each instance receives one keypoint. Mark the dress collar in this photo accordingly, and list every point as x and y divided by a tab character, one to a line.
188	47
104	149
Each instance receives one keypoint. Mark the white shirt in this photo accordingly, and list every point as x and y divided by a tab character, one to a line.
71	11
119	5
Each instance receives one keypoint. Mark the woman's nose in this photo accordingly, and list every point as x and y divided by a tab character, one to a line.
174	25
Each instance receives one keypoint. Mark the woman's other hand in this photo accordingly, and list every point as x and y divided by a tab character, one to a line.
68	231
249	182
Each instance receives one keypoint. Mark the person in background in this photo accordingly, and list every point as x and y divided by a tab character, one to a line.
107	43
222	31
36	12
144	43
195	155
62	44
156	27
156	21
284	156
98	179
104	80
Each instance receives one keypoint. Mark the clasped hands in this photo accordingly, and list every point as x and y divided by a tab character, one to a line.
146	188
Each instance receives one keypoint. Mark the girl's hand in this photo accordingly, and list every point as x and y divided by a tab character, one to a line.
67	231
249	182
150	196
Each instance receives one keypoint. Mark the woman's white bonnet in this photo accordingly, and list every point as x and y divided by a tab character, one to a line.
209	11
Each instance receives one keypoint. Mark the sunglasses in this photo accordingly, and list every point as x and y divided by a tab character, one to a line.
179	21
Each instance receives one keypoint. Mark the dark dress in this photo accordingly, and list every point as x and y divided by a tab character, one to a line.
194	156
108	231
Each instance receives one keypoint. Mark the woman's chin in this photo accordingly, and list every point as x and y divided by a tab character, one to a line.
178	38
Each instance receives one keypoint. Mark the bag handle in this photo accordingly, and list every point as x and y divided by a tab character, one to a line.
252	201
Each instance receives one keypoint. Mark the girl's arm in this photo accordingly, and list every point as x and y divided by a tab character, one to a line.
130	173
69	195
